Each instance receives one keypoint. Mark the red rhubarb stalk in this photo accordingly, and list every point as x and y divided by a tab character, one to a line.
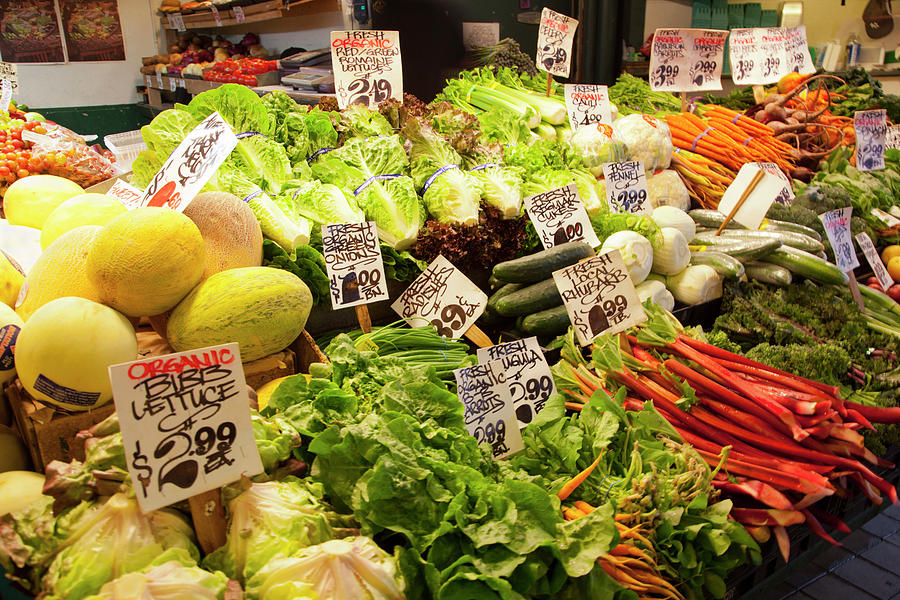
758	490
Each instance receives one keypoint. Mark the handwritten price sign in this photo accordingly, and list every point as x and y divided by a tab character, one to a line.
367	67
559	216
587	104
527	373
769	189
443	297
191	164
881	273
10	72
599	296
871	133
127	194
185	422
554	44
837	226
626	187
687	60
763	55
489	415
354	264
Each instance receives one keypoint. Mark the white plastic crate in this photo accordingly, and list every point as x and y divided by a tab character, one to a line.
125	146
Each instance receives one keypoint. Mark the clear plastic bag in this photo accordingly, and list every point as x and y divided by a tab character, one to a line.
65	154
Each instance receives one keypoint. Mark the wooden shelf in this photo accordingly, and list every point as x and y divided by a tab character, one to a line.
253	13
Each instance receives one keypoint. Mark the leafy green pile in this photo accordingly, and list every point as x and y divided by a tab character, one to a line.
631	94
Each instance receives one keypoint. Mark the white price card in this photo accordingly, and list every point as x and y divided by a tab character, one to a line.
6	93
239	14
892	138
786	195
554	42
489	416
587	105
626	187
127	194
185	422
35	138
10	72
599	296
191	164
837	226
444	297
159	80
353	263
173	83
763	55
559	216
889	220
754	209
480	35
687	60
176	22
147	81
367	67
881	273
870	127
215	12
528	375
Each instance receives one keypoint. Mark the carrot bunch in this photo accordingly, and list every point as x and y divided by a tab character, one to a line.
706	180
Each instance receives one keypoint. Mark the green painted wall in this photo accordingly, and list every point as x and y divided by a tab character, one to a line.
100	120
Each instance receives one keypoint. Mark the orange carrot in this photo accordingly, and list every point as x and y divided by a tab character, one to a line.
570	486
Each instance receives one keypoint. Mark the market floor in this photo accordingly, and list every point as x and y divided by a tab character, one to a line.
866	567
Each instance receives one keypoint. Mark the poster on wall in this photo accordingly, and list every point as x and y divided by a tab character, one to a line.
92	30
29	32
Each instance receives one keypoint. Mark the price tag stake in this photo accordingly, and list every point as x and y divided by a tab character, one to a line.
837	227
587	105
559	217
367	69
871	130
626	187
554	44
881	273
445	298
528	375
687	60
489	415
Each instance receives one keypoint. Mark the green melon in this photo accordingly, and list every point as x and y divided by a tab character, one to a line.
260	308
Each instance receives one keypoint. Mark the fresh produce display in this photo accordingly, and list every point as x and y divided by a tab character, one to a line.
668	457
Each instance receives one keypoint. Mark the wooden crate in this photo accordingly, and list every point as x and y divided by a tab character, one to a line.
50	433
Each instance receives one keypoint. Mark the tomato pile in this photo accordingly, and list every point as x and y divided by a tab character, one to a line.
243	71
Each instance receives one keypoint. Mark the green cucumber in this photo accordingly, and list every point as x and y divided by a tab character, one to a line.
506	290
491	319
768	273
495	283
528	300
539	266
773	225
712	219
788	238
553	321
724	264
743	250
808	265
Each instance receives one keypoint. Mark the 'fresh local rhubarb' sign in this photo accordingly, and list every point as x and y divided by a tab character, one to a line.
185	422
367	67
687	60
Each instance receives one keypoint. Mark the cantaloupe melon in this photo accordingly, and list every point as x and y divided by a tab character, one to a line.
260	308
59	271
230	231
65	349
146	260
29	200
11	278
83	209
10	326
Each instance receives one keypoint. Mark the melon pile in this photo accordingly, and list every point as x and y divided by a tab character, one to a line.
195	275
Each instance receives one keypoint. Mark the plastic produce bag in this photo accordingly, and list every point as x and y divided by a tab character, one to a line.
665	188
648	140
66	155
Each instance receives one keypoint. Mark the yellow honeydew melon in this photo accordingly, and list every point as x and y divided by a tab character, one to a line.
10	326
18	489
230	231
11	278
59	271
65	349
146	260
77	211
29	200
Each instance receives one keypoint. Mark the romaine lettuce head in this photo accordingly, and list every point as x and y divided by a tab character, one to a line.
145	167
353	568
262	160
501	187
239	106
174	576
453	196
359	121
382	155
279	104
596	147
330	169
327	203
592	193
101	542
167	130
294	136
266	521
589	189
395	207
320	125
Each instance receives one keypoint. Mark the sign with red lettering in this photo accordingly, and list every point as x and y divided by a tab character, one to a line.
763	55
127	194
185	422
587	105
367	67
191	164
554	43
687	60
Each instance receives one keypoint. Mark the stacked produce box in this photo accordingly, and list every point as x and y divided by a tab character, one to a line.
667	457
